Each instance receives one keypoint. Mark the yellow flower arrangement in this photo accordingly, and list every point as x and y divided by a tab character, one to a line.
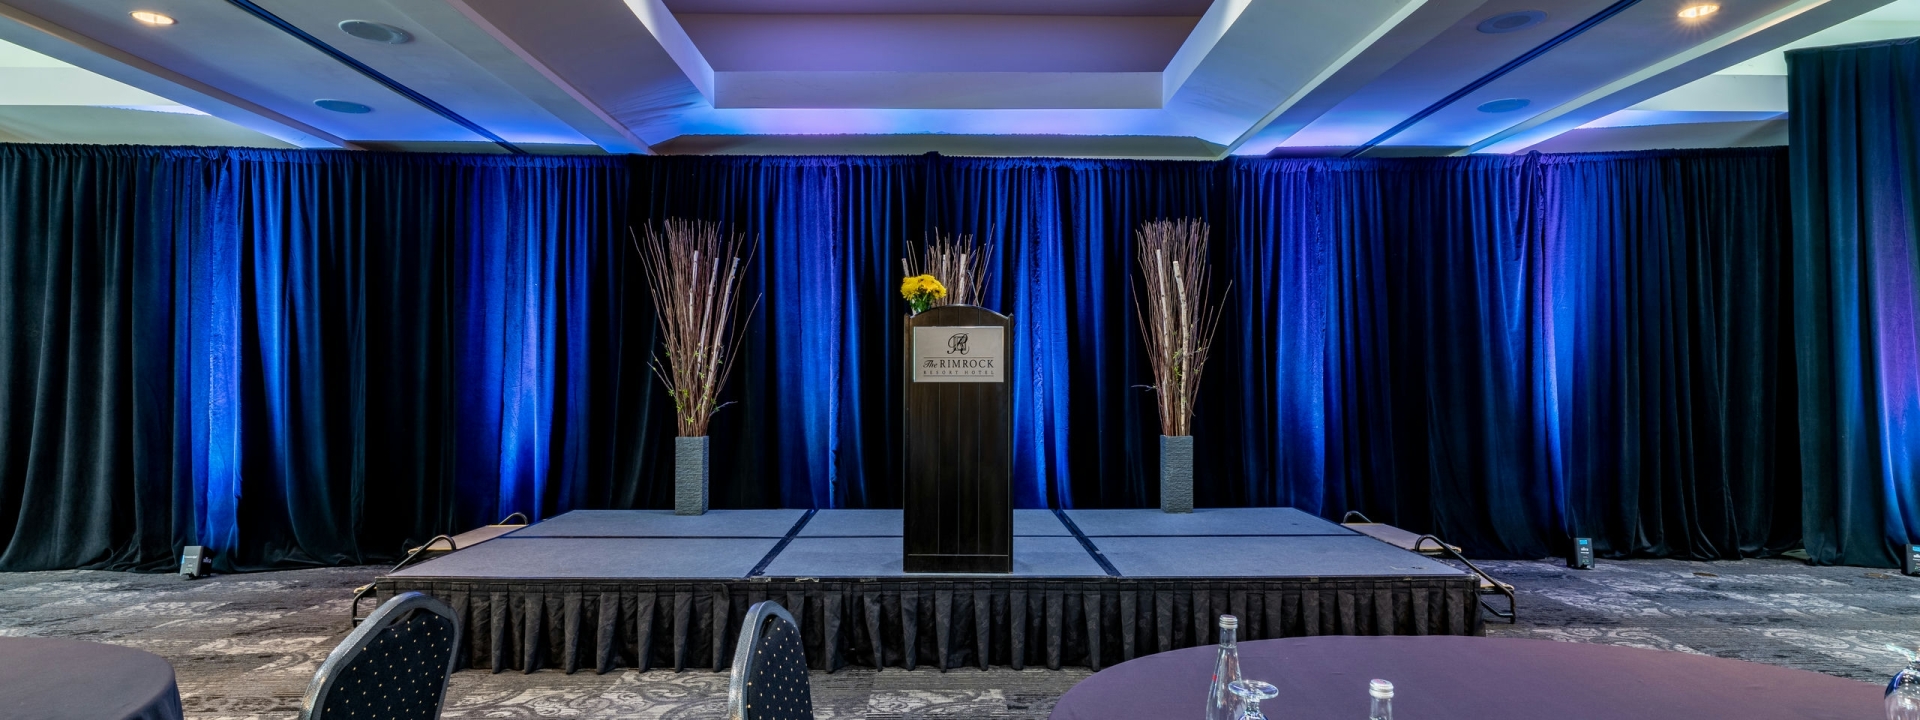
921	291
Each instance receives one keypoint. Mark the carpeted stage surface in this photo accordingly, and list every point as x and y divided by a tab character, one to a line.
245	646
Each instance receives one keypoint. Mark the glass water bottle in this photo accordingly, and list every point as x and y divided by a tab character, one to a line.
1903	692
1222	704
1382	692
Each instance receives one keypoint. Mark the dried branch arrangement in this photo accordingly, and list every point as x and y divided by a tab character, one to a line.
960	264
694	271
1177	319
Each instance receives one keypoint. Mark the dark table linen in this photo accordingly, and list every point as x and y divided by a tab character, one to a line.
50	679
1467	678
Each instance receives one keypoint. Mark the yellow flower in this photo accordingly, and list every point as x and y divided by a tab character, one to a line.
922	287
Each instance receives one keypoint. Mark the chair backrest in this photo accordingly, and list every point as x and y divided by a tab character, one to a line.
769	668
394	666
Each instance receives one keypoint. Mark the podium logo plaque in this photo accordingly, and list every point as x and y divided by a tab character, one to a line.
958	433
959	354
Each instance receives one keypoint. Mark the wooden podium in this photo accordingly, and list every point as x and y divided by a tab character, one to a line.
959	442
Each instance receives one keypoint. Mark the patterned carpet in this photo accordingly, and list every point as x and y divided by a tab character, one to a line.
245	646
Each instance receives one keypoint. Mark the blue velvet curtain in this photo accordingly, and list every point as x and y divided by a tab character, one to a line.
1856	302
300	358
1085	430
814	401
1672	414
1513	351
1387	340
412	344
292	358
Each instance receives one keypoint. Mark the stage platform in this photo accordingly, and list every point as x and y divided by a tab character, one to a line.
605	589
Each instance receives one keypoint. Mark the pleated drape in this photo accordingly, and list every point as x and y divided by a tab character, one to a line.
1856	296
1512	351
602	626
1673	419
322	357
109	271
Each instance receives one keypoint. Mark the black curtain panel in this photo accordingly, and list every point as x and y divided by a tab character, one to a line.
1856	296
1513	351
293	358
324	357
104	256
413	345
1669	335
1384	339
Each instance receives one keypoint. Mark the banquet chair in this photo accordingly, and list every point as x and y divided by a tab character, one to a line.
394	666
769	668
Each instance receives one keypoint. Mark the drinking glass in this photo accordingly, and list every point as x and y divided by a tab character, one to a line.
1903	693
1251	692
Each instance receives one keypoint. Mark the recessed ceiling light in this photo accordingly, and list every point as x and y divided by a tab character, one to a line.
1511	22
148	17
377	32
1699	11
1500	106
343	106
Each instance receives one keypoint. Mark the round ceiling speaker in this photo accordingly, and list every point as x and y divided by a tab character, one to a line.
377	32
1500	106
343	106
1511	22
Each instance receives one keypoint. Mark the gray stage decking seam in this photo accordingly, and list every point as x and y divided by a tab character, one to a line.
1301	546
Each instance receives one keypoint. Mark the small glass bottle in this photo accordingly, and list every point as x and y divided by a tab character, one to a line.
1382	692
1903	692
1222	704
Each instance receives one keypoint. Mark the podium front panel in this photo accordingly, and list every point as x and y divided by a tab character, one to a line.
957	499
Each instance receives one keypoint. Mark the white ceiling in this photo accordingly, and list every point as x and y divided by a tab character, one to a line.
1093	78
46	100
1755	89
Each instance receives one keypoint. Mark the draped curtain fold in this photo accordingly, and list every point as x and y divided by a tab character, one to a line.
412	344
108	269
1393	299
1672	421
815	393
1514	351
300	358
1856	300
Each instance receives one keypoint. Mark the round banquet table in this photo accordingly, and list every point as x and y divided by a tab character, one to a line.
1469	678
48	679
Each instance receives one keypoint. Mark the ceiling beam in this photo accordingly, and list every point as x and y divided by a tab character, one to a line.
1331	69
667	31
572	106
70	86
1206	34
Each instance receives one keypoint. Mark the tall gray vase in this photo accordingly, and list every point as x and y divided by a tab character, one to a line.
1176	473
690	476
